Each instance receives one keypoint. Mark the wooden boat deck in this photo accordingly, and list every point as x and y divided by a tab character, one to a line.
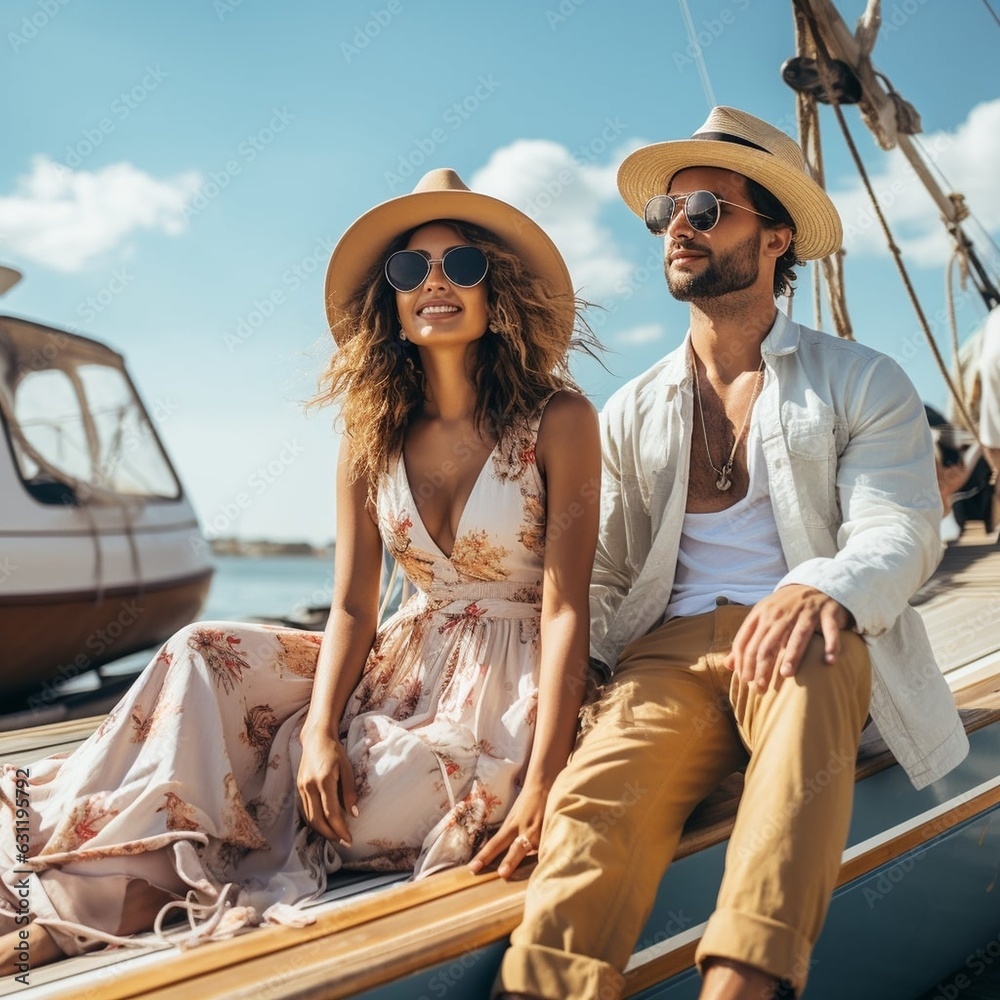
380	935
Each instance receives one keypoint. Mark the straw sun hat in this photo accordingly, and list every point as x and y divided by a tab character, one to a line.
734	140
441	194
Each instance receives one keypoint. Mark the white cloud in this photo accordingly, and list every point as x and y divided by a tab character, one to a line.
565	196
967	157
65	219
645	334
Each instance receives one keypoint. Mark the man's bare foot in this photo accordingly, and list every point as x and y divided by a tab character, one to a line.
26	949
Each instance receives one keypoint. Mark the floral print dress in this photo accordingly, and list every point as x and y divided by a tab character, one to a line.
189	783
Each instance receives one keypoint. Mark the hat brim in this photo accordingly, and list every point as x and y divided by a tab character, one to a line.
366	239
648	171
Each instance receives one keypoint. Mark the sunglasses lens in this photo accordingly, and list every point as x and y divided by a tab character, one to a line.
658	213
702	210
406	269
465	266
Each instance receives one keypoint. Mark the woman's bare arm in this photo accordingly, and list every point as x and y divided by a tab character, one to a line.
325	779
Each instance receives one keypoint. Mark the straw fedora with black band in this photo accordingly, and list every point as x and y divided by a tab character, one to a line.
442	195
737	141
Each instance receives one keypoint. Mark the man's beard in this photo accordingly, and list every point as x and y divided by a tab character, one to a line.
731	271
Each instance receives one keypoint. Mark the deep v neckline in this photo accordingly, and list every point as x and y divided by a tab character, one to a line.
468	501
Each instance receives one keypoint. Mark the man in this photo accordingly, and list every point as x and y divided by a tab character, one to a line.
769	506
989	403
972	475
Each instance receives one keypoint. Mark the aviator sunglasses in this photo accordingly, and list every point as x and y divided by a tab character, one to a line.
701	209
407	270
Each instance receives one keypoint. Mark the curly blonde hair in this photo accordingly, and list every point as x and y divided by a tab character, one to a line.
520	360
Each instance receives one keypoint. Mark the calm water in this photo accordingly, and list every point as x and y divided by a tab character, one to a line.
245	586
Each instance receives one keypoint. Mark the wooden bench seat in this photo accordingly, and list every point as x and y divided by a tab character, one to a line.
396	930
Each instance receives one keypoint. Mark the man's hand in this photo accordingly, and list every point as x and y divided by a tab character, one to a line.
778	629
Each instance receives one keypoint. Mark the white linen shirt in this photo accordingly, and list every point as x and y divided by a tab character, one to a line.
989	373
850	470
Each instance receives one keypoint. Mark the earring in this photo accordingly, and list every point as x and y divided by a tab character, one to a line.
402	334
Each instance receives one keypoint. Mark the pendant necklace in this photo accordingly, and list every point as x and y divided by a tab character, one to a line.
724	478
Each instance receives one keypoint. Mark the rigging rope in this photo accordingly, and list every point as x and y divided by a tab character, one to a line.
957	257
699	58
829	268
897	255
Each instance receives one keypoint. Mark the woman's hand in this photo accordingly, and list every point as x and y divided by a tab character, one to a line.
519	834
326	785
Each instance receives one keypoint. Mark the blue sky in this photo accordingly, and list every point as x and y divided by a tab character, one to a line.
175	175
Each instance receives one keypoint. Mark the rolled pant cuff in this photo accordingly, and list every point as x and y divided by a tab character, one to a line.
553	974
765	944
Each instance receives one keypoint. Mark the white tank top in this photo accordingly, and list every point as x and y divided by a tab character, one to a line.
734	553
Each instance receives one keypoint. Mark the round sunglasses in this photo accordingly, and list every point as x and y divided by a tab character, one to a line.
701	209
464	266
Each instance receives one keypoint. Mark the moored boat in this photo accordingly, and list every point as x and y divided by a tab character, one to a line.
100	549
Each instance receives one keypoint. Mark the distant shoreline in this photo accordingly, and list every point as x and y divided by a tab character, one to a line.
264	547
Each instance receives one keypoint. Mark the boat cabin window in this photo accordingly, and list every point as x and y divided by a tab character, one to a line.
79	432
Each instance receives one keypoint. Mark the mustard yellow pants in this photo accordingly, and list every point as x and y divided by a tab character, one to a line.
672	724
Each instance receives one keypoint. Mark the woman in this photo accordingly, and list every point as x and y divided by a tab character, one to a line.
467	454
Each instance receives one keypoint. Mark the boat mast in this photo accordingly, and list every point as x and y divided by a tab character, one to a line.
832	34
